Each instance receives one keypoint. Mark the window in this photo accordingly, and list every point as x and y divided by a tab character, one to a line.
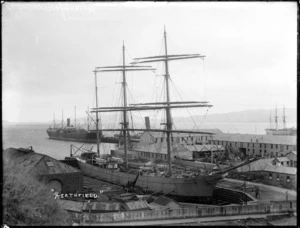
277	177
287	147
270	176
276	146
248	144
271	146
259	145
288	179
161	139
276	154
281	155
281	163
271	154
156	140
265	145
288	163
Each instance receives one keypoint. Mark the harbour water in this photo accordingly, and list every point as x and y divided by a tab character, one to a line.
25	135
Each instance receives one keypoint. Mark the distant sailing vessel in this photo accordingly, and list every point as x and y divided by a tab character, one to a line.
282	131
166	179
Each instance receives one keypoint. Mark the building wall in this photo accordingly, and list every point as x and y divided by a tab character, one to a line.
256	148
293	159
280	179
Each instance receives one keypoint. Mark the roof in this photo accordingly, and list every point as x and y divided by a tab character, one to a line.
136	205
71	205
162	147
163	202
101	206
292	152
39	164
207	147
268	139
281	169
282	159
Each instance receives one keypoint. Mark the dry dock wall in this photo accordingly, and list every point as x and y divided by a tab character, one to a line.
263	208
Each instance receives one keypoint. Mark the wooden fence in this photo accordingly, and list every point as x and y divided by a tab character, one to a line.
263	208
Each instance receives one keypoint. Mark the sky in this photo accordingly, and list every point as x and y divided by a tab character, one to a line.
50	50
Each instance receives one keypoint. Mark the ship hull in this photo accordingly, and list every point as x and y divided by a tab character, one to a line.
201	186
78	135
284	131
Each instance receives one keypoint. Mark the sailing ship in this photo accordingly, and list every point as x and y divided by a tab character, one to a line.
188	186
280	131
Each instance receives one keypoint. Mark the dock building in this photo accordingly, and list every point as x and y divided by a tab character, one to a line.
256	145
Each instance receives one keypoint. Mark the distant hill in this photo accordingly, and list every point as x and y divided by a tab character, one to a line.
252	116
247	116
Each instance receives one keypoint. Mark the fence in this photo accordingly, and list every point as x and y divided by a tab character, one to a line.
264	208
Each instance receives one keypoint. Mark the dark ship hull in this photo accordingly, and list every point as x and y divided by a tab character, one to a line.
78	135
197	188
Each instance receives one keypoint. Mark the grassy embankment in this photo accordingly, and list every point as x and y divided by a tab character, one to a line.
26	201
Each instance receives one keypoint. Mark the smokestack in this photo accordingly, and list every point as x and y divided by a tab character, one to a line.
147	121
68	122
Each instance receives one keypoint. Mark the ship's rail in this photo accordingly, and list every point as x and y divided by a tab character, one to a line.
211	211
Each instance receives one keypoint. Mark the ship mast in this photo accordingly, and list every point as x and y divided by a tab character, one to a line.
168	111
125	106
97	118
123	68
284	121
276	119
166	58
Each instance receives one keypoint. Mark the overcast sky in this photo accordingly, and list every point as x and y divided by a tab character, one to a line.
51	49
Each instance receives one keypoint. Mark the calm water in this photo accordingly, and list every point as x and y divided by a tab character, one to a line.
35	135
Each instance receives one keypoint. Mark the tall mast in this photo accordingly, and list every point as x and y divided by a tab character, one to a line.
123	68
54	120
284	121
97	118
168	111
125	106
166	58
276	119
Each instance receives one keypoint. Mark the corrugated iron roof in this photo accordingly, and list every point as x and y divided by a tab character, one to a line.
281	169
39	164
269	139
137	205
101	206
281	159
